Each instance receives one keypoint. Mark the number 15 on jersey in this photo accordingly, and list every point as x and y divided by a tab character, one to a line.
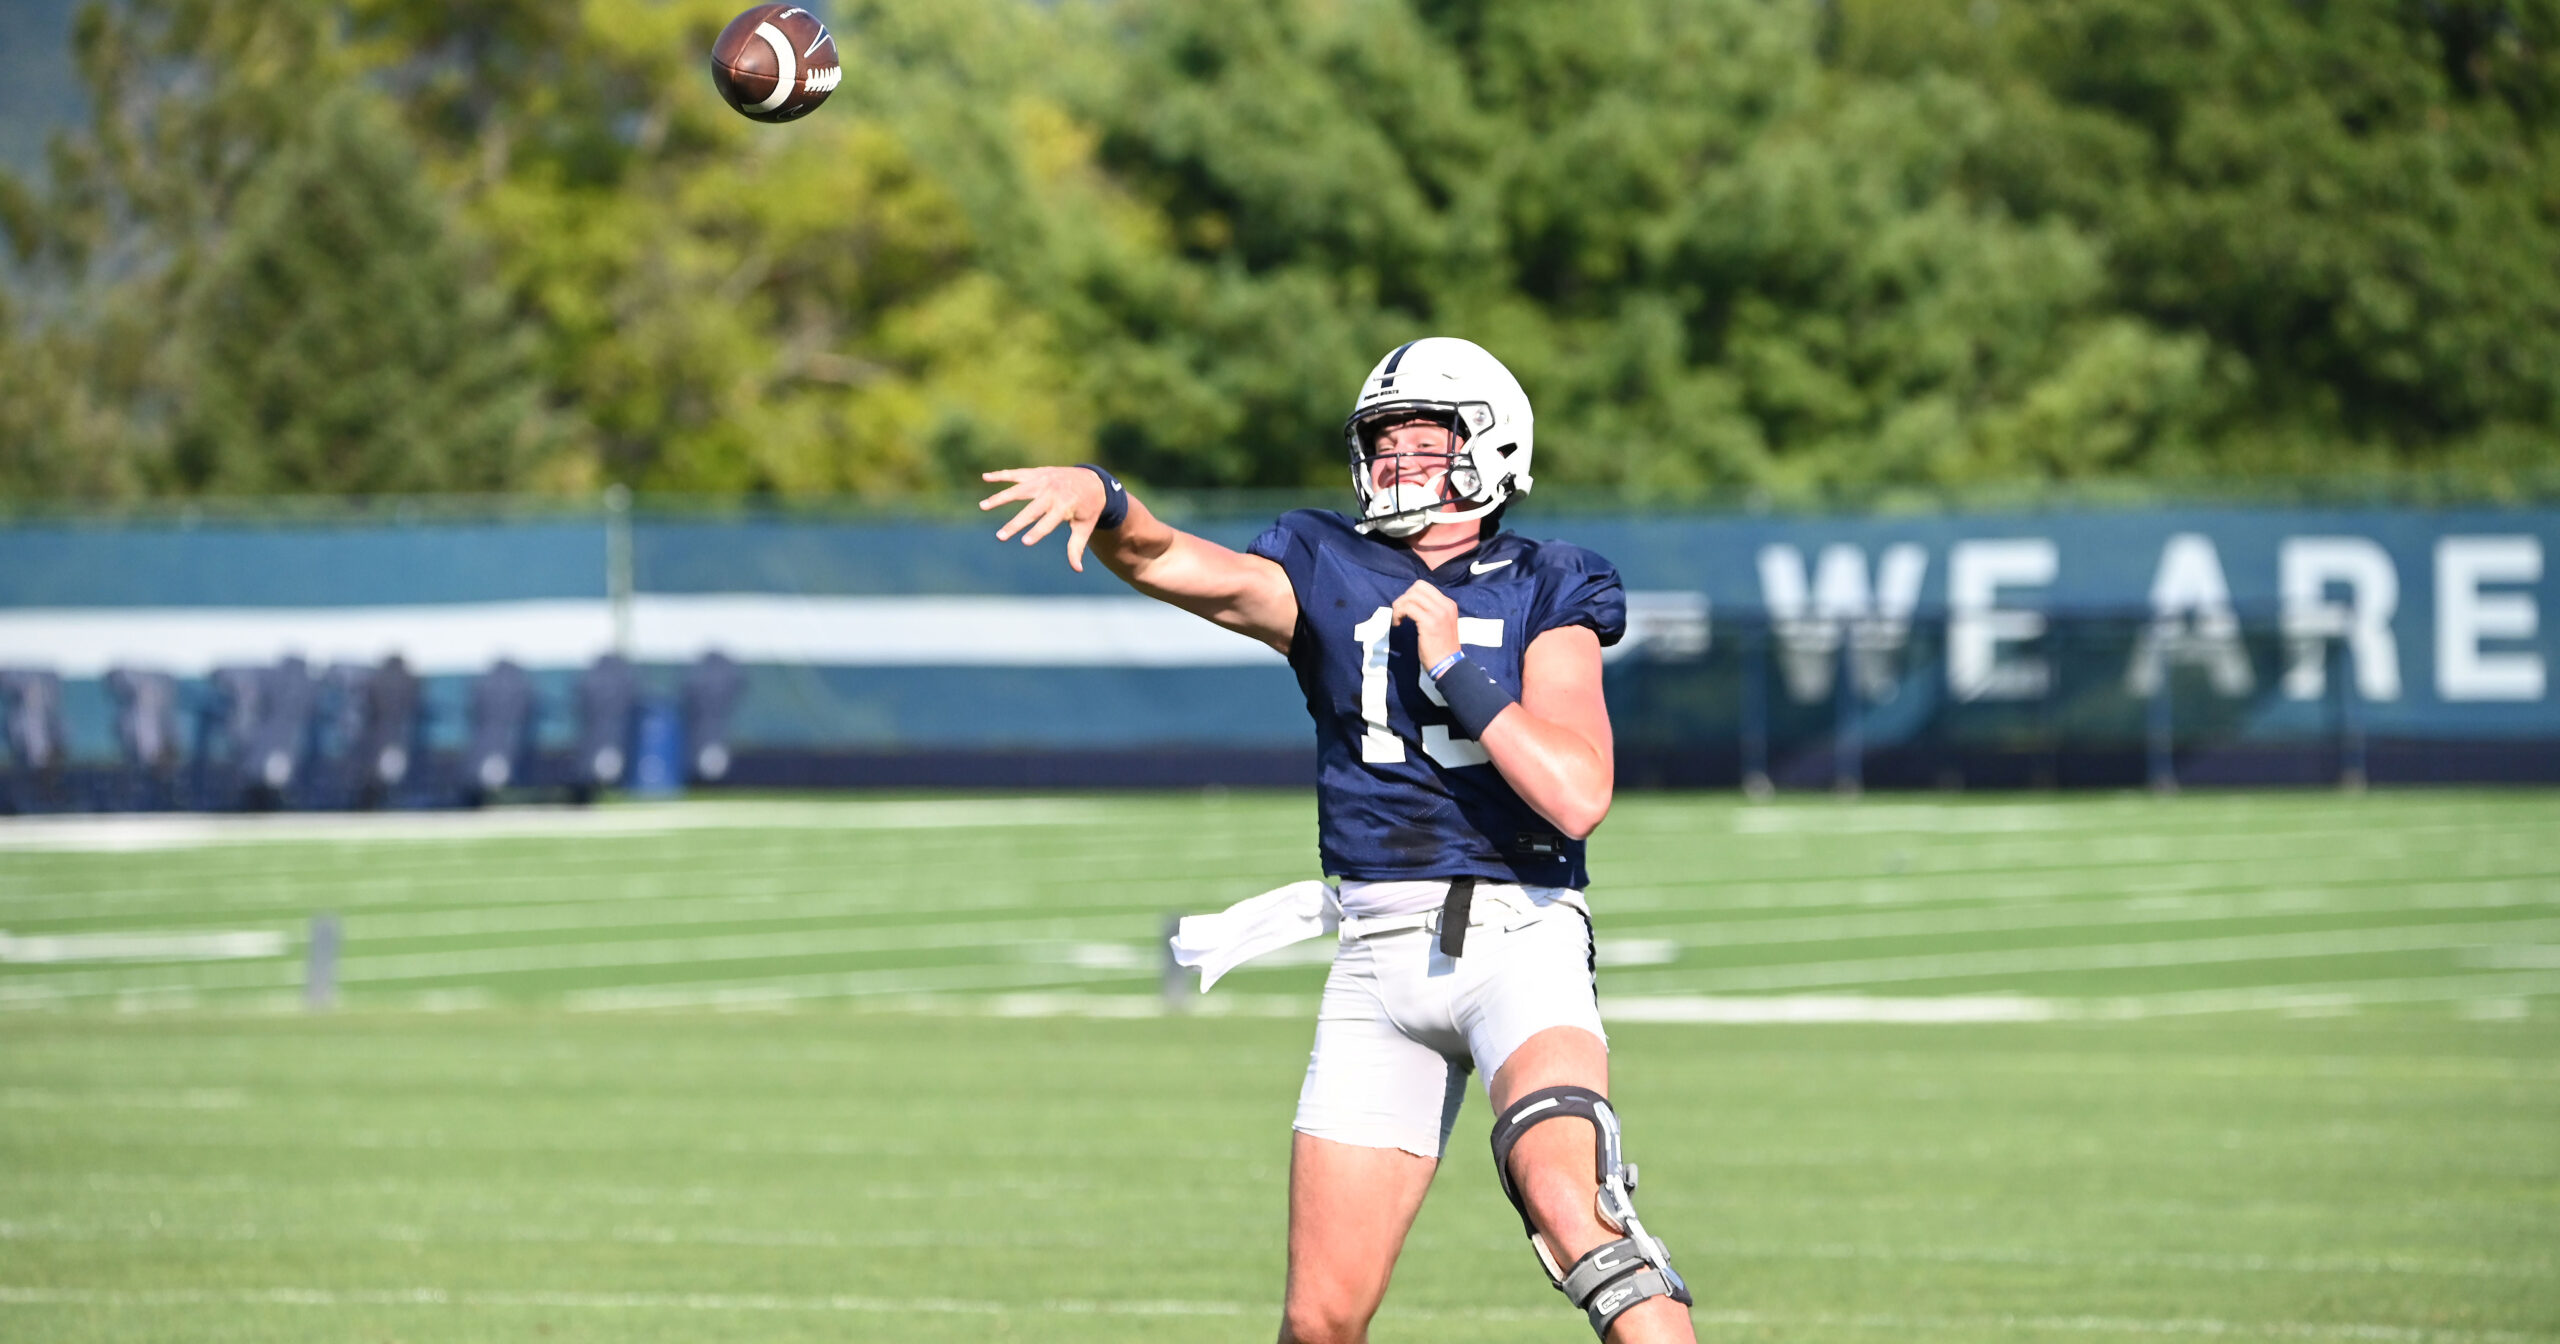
1379	745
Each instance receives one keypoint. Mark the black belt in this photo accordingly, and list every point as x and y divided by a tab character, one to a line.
1454	913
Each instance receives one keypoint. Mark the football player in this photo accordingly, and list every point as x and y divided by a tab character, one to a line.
1453	671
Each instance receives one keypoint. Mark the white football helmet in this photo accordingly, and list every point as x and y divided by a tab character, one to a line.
1457	384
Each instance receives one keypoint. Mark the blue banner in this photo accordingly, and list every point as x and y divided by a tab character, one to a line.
2088	626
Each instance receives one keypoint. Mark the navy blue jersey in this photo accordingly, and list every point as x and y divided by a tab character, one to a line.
1400	794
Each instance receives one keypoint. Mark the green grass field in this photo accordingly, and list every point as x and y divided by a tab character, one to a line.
2264	1067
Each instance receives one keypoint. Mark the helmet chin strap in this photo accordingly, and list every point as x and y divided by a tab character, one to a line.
1418	516
1399	526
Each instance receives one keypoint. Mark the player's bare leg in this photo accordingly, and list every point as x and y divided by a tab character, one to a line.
1552	1166
1349	1210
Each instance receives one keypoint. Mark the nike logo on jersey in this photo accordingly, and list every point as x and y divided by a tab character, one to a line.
1481	568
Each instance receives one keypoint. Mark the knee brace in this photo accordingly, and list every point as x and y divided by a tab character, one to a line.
1614	1275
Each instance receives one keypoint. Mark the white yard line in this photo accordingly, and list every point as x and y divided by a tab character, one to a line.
782	991
2108	833
711	894
1698	1009
738	1303
2093	913
2538	957
57	948
2335	995
880	997
188	1099
356	967
1054	939
1707	931
577	879
2529	859
2206	1326
1967	1008
2222	816
1677	1009
162	831
1875	818
1057	961
515	1230
225	1189
2102	957
606	1301
2130	845
1842	1008
393	909
836	903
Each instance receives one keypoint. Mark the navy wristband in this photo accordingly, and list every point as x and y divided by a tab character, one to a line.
1475	698
1115	499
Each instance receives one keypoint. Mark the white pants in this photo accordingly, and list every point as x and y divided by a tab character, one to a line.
1401	1023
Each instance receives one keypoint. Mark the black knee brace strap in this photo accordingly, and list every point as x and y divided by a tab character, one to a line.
1615	1275
1548	1103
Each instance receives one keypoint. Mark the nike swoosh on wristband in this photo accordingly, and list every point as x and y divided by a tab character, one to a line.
1486	568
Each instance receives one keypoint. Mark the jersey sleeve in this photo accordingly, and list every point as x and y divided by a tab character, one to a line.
1581	589
1289	542
1279	543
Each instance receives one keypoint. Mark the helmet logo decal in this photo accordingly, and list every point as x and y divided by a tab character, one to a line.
1387	375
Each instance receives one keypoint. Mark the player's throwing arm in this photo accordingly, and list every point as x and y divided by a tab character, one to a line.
1244	593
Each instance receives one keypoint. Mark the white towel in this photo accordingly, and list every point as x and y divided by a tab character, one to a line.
1216	944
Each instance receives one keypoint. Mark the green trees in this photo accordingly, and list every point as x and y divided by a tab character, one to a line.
1797	249
337	341
243	283
1806	248
721	306
2356	202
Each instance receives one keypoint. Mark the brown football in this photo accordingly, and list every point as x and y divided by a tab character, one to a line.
775	63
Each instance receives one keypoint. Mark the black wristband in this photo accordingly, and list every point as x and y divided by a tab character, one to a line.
1475	698
1115	499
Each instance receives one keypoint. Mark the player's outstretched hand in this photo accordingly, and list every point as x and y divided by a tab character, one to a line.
1049	496
1435	621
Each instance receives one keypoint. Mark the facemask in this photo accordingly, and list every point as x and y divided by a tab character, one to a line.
1421	499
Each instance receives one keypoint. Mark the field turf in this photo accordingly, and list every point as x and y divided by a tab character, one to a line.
2265	1067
